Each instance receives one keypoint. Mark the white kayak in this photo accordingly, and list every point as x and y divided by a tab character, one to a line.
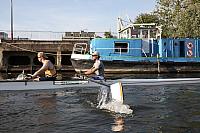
41	85
169	81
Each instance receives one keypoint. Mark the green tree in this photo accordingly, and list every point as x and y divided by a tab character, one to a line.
108	35
179	18
146	18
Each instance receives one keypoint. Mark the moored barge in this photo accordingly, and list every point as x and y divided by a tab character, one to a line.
135	51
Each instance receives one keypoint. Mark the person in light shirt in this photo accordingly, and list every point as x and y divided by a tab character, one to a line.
97	68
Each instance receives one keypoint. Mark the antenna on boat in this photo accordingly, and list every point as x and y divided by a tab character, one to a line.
129	19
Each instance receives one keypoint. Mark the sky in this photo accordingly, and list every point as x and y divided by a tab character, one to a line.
70	15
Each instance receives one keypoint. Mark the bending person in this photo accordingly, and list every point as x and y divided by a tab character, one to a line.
97	68
47	68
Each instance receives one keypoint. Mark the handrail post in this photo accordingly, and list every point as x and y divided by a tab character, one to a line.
158	62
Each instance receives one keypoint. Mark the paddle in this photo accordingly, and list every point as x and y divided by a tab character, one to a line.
115	88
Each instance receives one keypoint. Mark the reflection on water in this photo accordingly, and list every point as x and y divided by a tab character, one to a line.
46	104
118	124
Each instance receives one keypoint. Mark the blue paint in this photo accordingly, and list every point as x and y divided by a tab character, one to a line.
140	50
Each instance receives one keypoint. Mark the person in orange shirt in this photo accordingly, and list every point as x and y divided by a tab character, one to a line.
47	68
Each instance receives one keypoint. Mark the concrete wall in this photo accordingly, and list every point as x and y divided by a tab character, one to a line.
29	48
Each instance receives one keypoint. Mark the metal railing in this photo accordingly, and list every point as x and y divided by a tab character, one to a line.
120	50
80	48
42	35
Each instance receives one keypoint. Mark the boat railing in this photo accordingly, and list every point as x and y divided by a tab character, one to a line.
80	48
121	51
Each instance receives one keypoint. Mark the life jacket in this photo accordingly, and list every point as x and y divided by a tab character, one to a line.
50	73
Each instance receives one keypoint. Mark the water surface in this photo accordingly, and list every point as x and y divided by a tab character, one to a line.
168	108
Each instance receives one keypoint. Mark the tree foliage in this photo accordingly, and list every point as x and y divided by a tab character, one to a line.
146	18
179	18
108	35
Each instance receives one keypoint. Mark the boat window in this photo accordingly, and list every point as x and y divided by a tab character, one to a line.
121	47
